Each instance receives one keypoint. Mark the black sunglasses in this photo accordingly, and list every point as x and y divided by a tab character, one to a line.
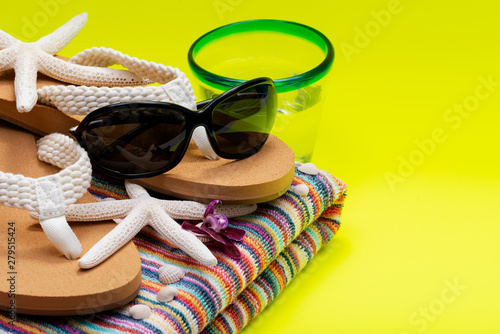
143	139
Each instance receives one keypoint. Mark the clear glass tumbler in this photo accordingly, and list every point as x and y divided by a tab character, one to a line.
297	57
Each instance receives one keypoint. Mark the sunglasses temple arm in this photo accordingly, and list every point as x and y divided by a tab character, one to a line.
203	104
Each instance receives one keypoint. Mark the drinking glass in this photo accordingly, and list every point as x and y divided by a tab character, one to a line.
297	57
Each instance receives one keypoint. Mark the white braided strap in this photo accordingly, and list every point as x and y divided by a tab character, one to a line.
63	152
81	100
50	195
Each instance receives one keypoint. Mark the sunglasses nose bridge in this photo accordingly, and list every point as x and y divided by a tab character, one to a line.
201	117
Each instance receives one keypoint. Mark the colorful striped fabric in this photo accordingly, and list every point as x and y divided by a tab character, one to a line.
282	236
272	281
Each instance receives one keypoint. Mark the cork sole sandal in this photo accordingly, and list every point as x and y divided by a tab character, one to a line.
259	178
37	278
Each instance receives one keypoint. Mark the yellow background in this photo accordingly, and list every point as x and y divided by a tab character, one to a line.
418	251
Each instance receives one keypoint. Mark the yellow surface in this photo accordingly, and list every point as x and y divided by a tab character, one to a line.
419	245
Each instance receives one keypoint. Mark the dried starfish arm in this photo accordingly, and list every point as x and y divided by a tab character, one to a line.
231	211
86	75
182	239
62	36
190	210
6	40
7	58
25	81
99	211
111	209
104	57
114	240
135	190
185	210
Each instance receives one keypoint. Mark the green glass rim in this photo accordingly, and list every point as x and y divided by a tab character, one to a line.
283	84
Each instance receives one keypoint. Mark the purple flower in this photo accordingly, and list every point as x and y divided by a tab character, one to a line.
215	227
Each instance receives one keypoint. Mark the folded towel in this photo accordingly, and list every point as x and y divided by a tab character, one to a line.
224	298
272	281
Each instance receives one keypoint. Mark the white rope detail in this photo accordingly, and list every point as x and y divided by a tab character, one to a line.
49	196
63	152
18	191
81	100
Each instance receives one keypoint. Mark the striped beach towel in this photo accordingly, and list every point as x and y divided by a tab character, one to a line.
282	236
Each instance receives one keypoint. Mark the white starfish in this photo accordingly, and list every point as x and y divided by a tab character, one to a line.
142	210
29	58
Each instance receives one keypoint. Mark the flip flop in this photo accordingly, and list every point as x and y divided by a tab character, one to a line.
259	178
37	278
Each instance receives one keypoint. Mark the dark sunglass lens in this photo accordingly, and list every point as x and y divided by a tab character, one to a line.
135	139
243	122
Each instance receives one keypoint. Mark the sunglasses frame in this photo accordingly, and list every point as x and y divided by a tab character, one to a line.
203	117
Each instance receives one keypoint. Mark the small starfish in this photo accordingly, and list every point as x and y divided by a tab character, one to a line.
142	210
29	58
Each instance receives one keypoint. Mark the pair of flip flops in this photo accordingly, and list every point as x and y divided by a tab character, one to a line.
42	281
